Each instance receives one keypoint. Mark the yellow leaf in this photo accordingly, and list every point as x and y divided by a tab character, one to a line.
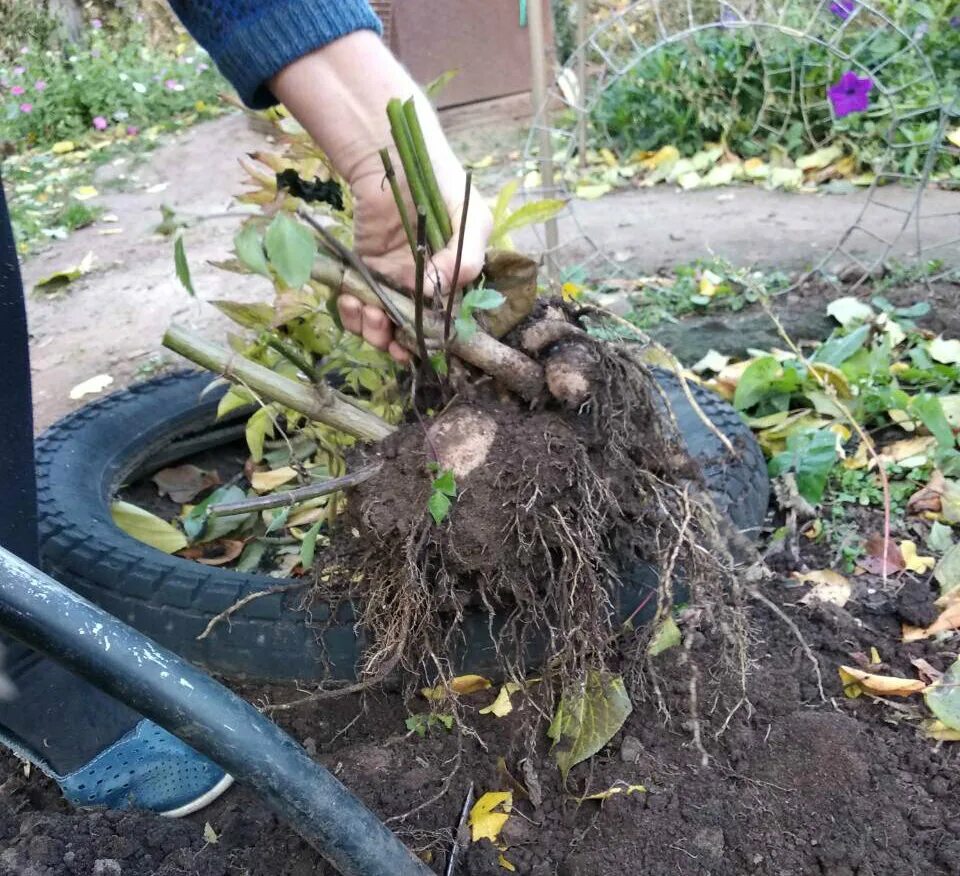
948	620
910	452
913	561
480	163
485	822
608	157
689	180
936	729
571	291
209	834
820	159
84	193
712	361
617	788
503	862
828	586
461	685
954	137
590	191
946	352
833	377
266	481
666	155
856	681
875	656
307	516
756	168
62	147
502	705
91	386
147	528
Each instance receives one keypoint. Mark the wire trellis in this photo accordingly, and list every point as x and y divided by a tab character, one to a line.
799	48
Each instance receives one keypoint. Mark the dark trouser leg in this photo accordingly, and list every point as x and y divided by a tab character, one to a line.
56	715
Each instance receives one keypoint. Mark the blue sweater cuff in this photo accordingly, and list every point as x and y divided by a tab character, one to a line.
280	32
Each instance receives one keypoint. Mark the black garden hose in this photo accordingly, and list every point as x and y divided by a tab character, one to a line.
216	722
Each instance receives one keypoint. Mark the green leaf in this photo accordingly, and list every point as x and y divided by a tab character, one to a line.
836	351
308	547
250	558
249	250
182	268
947	571
200	528
291	248
756	382
943	697
588	718
811	455
438	362
940	540
929	411
446	483
466	327
233	399
481	299
529	214
439	506
147	527
279	519
258	427
502	207
435	86
252	316
666	636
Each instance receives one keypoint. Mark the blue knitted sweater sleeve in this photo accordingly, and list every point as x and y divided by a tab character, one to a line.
251	40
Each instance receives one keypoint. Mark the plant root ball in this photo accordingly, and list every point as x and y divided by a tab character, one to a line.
462	440
571	371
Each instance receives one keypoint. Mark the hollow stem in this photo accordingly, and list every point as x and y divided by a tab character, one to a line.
320	402
437	205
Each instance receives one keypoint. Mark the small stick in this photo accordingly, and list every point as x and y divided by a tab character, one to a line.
356	263
437	205
455	848
391	174
448	319
419	256
298	495
411	169
240	603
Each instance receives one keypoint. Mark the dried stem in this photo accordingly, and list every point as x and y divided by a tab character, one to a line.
419	261
391	175
320	403
448	317
298	495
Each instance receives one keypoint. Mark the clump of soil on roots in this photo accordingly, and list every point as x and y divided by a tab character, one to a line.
554	505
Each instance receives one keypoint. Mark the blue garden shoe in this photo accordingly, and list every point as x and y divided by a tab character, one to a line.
148	768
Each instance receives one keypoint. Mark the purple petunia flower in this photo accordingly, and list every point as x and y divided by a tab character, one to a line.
172	85
132	130
17	90
26	107
100	123
850	95
955	22
40	85
843	9
19	71
96	24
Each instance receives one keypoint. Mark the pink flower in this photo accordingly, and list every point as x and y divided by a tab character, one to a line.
19	71
96	24
17	90
172	85
26	107
100	123
132	130
39	85
201	67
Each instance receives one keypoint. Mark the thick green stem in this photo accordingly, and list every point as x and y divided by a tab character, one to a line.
320	403
426	170
391	174
411	169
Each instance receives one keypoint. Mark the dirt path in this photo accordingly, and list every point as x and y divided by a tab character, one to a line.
111	320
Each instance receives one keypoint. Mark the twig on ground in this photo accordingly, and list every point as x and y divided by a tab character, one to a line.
780	613
300	494
455	848
250	597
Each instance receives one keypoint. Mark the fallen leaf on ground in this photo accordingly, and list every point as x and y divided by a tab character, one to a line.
91	386
58	279
712	361
876	562
461	685
84	193
929	497
828	586
183	483
947	571
667	636
485	820
912	561
62	147
943	697
209	834
503	862
147	528
214	553
929	673
856	681
936	729
949	620
267	481
950	501
617	788
502	705
848	311
946	352
918	449
940	539
591	191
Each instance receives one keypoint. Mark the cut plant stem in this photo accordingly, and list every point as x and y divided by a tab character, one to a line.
419	262
294	358
319	402
411	169
451	298
510	367
352	259
391	175
297	495
437	205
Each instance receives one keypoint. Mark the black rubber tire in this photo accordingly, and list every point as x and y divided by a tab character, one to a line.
84	458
